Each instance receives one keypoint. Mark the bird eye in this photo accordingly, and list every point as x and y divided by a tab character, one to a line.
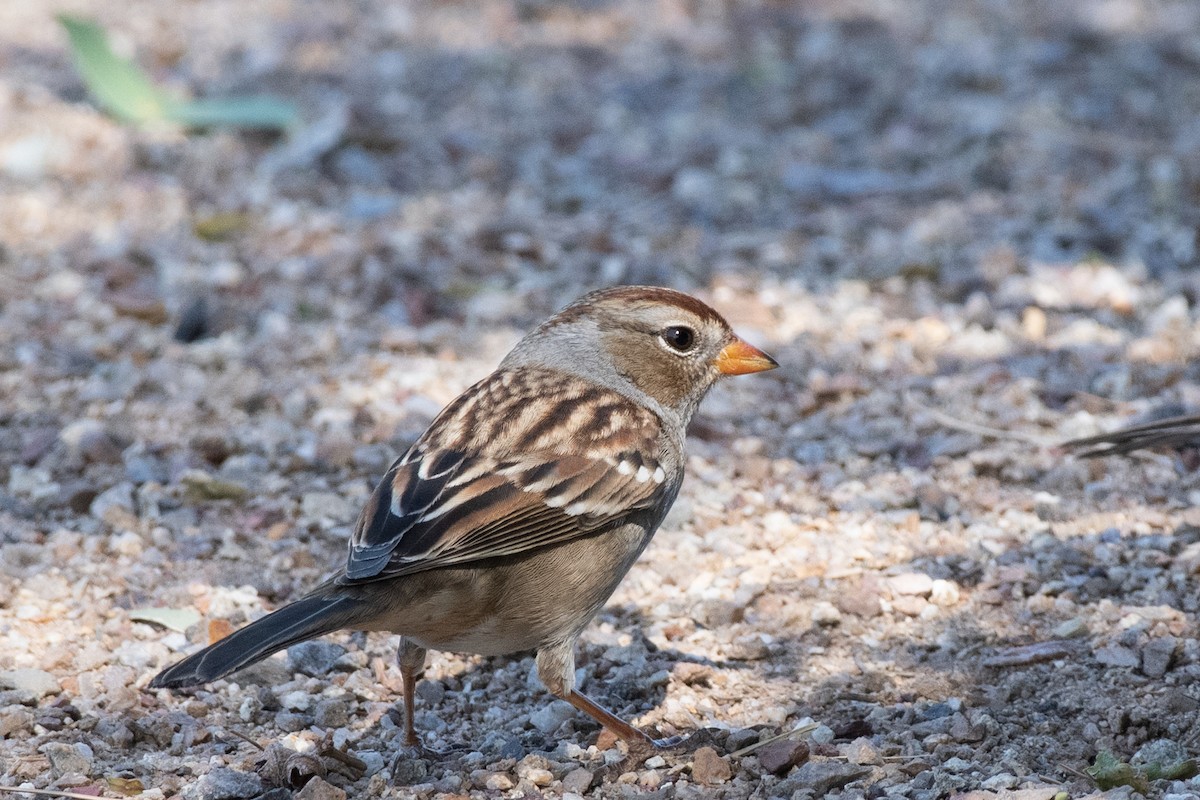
678	337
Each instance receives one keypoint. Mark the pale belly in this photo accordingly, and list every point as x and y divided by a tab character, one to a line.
492	636
521	604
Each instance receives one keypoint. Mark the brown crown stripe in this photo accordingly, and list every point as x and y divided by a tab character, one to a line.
634	295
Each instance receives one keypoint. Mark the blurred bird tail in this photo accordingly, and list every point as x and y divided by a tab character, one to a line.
304	619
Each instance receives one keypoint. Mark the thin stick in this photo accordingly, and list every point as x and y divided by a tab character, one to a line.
50	793
243	737
812	726
947	421
348	759
1077	773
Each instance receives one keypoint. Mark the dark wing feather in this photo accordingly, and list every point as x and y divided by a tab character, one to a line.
465	493
1176	432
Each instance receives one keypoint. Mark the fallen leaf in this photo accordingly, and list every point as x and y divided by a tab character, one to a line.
177	619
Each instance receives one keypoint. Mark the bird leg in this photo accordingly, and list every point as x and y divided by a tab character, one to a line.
635	738
556	669
411	658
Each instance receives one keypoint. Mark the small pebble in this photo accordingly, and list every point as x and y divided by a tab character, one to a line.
1158	655
821	777
315	658
36	681
498	782
318	788
709	768
911	584
550	717
1117	656
69	759
650	779
222	783
861	751
780	756
331	713
578	780
825	614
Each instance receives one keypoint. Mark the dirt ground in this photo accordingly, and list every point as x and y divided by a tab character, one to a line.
967	230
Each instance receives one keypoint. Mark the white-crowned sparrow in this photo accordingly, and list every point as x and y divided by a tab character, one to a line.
510	522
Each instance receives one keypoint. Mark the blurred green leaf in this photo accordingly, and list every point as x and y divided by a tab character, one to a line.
118	85
1109	772
125	91
251	113
222	226
1171	770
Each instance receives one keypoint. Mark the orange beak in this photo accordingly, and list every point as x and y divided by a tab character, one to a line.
739	358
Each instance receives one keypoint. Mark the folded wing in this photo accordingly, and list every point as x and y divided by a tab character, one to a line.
464	494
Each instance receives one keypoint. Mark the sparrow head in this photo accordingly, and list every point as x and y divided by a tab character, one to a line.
643	341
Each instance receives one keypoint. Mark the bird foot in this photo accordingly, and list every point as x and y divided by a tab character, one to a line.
682	744
419	750
412	761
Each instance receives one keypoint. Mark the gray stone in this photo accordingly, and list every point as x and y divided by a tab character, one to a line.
319	789
314	658
373	760
407	771
578	780
32	482
859	599
1160	752
1158	654
87	438
278	793
223	783
37	681
820	778
431	692
331	713
327	507
742	737
1118	656
291	722
245	468
69	759
115	732
13	719
115	499
550	717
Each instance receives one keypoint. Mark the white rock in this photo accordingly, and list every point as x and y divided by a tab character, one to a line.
296	701
826	614
38	681
913	584
944	593
31	482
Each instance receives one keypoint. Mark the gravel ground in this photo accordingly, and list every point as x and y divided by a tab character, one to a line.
966	229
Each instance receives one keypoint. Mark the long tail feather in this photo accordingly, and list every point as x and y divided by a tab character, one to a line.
304	619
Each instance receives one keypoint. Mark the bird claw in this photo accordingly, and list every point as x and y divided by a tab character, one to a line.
423	752
680	744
